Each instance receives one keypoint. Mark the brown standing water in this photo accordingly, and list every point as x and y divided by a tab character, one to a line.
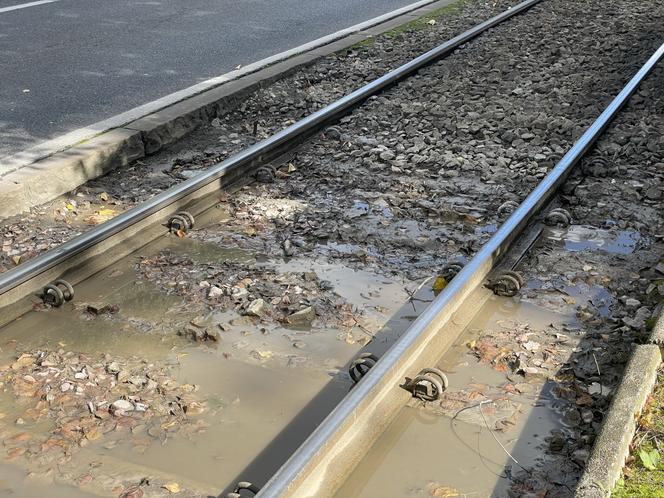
425	452
264	387
250	397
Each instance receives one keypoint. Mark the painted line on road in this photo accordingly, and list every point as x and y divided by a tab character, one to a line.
48	148
25	5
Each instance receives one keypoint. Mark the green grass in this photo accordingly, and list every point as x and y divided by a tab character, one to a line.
415	25
423	22
637	480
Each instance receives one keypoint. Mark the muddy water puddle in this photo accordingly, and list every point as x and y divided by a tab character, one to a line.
582	238
104	396
459	446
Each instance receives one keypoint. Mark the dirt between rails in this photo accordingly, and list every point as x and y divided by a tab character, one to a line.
407	183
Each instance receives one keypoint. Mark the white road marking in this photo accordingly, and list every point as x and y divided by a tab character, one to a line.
25	5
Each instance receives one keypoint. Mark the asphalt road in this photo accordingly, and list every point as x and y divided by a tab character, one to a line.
70	63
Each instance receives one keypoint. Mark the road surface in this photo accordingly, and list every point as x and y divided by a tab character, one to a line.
65	64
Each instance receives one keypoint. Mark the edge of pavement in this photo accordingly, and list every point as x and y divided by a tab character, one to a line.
50	169
611	447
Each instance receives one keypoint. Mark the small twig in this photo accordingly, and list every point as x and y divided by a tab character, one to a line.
596	364
411	295
599	374
494	436
362	327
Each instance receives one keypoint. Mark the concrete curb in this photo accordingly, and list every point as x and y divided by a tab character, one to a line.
657	333
42	176
611	447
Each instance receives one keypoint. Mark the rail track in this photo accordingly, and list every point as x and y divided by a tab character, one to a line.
321	465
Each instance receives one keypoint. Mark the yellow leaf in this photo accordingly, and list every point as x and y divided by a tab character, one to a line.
16	259
444	492
103	196
69	206
291	167
23	361
92	433
172	487
439	284
106	212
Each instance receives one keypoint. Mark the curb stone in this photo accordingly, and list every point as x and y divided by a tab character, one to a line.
657	334
60	173
47	178
611	447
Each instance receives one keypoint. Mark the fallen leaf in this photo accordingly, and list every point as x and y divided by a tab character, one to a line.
649	459
439	284
104	196
15	452
84	480
16	259
432	22
444	492
132	492
181	233
92	433
107	212
23	361
172	487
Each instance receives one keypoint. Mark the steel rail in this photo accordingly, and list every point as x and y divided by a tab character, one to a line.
317	467
256	153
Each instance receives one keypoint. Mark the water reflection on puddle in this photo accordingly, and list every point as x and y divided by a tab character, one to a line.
582	238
